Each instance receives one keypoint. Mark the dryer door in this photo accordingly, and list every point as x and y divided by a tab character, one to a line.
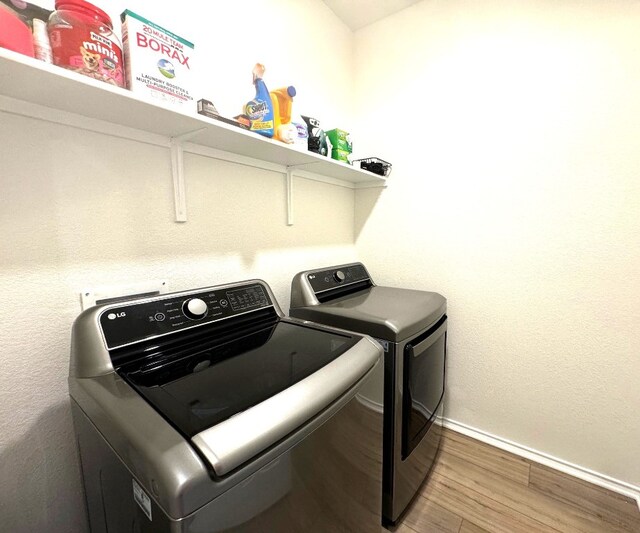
423	383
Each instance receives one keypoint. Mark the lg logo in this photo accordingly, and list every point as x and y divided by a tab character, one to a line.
113	316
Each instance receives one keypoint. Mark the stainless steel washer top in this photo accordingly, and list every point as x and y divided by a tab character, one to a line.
209	411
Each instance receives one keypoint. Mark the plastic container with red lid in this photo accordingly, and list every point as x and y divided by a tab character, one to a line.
83	40
14	34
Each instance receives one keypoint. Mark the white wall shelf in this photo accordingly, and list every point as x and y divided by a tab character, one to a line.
32	88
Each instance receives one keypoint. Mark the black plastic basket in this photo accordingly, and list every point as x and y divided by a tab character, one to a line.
375	165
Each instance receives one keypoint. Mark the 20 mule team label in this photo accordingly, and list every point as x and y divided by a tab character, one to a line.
158	62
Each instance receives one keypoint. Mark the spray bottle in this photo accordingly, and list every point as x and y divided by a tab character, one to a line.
260	109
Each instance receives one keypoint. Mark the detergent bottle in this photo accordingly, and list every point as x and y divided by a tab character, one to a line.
260	109
282	101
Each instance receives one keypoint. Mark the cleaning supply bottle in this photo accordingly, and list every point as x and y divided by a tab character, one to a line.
302	134
282	101
260	109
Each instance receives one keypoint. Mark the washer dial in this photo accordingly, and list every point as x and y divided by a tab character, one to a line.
195	308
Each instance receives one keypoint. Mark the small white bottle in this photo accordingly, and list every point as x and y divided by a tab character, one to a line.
41	42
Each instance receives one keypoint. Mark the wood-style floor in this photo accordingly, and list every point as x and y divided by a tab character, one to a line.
476	488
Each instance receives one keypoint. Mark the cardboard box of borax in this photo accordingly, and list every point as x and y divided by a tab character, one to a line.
158	63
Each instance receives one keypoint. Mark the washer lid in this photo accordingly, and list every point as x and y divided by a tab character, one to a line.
235	396
384	312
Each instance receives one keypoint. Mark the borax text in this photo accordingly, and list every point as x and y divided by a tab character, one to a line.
150	42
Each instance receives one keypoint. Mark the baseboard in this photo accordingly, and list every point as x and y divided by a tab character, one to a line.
601	480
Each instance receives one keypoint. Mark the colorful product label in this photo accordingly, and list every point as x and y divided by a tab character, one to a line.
81	49
159	63
258	112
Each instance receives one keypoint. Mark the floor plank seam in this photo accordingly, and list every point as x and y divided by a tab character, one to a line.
598	515
463	457
575	471
516	512
586	513
483	488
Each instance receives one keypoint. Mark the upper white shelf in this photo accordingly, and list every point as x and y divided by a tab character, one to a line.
30	80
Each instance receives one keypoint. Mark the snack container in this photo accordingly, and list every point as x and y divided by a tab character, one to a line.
82	39
159	63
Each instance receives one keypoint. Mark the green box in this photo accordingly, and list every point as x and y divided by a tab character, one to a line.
340	155
340	140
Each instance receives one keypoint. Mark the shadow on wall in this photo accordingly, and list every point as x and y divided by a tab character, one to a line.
116	203
41	489
366	200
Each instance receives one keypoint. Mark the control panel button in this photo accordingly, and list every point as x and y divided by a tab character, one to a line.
195	308
339	276
159	317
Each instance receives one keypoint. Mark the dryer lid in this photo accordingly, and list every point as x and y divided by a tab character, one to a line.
387	313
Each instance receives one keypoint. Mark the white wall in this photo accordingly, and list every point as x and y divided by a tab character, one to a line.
513	128
80	209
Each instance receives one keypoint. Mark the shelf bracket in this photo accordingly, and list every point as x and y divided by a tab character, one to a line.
289	170
177	172
289	184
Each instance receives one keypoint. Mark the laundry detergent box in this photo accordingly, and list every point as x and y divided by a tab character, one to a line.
158	63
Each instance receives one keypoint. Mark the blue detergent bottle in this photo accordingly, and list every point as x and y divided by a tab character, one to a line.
260	109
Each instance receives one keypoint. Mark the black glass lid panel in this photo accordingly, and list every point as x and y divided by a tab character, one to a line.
214	381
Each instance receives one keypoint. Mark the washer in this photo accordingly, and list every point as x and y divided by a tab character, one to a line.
411	325
207	411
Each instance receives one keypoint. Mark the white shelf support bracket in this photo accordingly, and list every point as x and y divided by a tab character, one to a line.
289	170
177	172
289	178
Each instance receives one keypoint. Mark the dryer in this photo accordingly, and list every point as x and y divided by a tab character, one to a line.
411	326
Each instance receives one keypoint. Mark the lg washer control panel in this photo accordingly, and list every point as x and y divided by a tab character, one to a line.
134	322
323	280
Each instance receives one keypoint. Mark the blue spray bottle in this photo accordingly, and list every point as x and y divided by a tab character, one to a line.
260	109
